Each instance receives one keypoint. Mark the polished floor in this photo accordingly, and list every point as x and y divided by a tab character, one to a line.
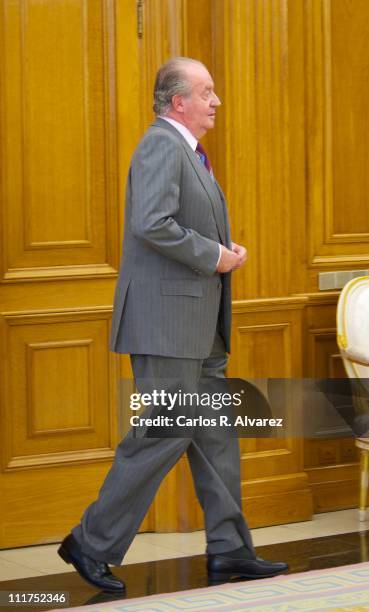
158	563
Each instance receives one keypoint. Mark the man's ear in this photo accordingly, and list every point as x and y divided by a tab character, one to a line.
177	103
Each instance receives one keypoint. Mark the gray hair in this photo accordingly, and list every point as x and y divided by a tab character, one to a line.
171	80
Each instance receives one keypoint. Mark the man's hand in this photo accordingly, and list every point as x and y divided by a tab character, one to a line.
241	252
229	260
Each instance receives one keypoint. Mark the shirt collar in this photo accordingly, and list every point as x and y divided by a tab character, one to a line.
190	138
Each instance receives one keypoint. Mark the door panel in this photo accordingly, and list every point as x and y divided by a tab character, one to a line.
59	261
59	154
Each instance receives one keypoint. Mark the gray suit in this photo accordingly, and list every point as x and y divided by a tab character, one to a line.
167	297
172	314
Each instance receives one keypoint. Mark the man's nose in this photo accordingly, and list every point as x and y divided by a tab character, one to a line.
215	100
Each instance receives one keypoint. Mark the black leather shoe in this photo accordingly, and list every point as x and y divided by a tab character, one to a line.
224	568
95	572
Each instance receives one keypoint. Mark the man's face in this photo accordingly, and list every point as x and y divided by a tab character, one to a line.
197	111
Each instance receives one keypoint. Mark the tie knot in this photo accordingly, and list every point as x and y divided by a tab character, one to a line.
203	157
200	149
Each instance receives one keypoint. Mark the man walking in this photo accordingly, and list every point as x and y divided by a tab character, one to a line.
172	314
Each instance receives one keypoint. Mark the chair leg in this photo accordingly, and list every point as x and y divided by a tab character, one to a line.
364	476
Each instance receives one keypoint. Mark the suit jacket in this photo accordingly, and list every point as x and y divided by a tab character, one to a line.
168	297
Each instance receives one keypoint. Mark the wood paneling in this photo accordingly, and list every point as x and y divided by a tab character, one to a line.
58	378
290	149
40	505
335	487
329	458
59	152
274	501
251	63
60	230
267	344
346	30
291	153
163	31
337	51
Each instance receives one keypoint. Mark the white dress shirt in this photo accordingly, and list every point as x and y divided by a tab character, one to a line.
192	141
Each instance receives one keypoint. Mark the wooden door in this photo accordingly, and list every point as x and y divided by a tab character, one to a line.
59	260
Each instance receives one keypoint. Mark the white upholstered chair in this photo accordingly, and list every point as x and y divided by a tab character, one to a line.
353	342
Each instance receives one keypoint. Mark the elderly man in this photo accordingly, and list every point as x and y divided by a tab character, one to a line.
172	314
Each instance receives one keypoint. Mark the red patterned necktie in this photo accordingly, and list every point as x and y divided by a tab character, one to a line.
204	158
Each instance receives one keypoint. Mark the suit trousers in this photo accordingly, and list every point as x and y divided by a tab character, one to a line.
109	524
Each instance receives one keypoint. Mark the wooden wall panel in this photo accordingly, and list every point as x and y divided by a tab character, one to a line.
337	51
59	230
251	65
58	379
267	345
40	505
59	151
347	51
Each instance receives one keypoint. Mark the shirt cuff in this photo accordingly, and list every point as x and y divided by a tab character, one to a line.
220	254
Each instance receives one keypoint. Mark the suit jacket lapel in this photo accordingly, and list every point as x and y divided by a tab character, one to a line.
207	182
